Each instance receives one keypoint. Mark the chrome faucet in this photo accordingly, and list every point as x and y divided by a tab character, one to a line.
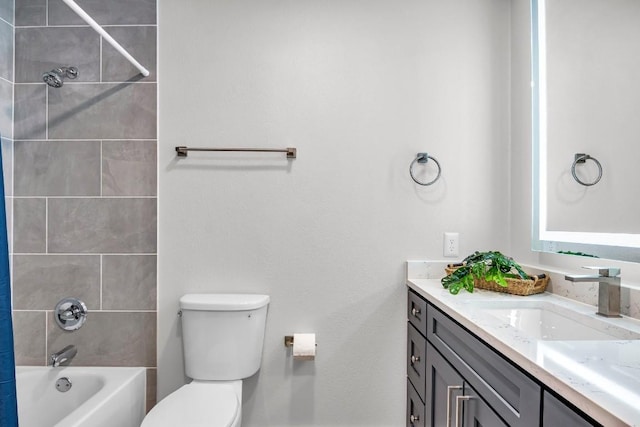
64	356
608	289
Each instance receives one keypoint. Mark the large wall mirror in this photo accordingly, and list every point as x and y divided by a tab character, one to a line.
586	127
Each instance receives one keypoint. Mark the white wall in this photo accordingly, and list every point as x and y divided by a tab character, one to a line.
359	88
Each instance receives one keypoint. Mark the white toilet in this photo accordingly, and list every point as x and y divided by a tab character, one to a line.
222	338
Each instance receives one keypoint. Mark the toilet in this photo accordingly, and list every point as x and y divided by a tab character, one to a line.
222	339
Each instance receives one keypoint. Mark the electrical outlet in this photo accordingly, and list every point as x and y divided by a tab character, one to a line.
451	244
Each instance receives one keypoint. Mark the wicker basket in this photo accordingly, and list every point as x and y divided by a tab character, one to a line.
515	286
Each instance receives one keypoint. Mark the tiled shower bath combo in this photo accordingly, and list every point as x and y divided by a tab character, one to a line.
84	180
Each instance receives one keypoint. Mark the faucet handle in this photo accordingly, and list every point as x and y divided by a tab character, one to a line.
605	271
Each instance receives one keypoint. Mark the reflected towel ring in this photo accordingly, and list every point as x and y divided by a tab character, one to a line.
582	158
424	158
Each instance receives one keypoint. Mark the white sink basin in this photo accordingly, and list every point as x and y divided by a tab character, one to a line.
550	322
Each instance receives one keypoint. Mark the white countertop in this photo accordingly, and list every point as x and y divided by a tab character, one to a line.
601	378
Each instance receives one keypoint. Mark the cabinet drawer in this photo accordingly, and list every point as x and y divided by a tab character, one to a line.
513	395
416	357
415	408
417	312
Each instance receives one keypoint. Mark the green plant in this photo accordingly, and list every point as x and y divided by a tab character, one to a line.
490	266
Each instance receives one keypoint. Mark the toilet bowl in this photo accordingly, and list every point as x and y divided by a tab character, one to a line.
222	340
199	403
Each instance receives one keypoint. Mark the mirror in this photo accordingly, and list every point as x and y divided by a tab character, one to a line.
585	68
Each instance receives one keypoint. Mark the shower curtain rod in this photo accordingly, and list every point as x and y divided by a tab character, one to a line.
89	20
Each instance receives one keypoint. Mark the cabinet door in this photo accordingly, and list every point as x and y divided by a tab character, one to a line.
444	384
476	412
556	413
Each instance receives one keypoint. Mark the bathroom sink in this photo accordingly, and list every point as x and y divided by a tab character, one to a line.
547	321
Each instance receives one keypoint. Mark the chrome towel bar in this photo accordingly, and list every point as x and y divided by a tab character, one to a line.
582	158
290	151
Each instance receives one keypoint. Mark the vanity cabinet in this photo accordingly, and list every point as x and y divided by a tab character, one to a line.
450	371
556	413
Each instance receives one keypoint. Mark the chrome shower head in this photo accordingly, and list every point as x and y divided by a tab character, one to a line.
55	78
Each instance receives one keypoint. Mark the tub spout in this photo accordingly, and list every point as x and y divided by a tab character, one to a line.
608	289
64	356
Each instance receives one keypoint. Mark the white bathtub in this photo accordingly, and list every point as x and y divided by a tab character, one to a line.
98	397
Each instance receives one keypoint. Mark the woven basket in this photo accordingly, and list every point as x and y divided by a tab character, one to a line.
523	287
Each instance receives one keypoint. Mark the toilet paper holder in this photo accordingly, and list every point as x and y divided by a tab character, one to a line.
288	341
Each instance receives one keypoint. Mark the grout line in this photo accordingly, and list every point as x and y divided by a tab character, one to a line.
86	197
84	254
78	25
7	22
46	338
46	225
46	13
113	83
101	171
150	140
90	309
46	113
101	263
100	58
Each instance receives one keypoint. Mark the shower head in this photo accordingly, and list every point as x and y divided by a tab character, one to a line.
55	78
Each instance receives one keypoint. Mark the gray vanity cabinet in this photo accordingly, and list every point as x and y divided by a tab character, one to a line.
450	369
556	413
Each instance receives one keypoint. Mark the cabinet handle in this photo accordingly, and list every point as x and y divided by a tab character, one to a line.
415	312
459	404
414	418
414	359
450	390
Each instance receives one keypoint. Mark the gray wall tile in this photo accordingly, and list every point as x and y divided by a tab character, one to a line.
29	336
30	116
140	42
42	49
152	384
57	168
7	164
129	282
129	168
103	111
40	281
112	12
102	225
6	51
6	10
6	109
31	12
29	229
110	339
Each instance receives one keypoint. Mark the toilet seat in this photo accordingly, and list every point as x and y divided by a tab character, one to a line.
198	404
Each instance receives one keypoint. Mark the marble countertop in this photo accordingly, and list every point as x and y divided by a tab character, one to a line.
601	378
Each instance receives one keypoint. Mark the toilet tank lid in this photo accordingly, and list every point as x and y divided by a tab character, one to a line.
223	302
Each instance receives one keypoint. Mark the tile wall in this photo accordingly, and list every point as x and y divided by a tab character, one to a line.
85	182
6	98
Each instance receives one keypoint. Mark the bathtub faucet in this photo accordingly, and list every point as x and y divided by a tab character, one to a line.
64	356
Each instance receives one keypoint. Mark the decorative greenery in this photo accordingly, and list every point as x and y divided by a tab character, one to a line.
577	253
490	266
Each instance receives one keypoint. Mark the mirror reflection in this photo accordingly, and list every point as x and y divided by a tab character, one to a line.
586	59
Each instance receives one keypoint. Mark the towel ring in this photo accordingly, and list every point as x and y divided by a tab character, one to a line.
582	158
424	158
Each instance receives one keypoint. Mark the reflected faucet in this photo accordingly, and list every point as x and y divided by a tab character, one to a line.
608	289
64	356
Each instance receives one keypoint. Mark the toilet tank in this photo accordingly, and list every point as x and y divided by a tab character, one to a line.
223	335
